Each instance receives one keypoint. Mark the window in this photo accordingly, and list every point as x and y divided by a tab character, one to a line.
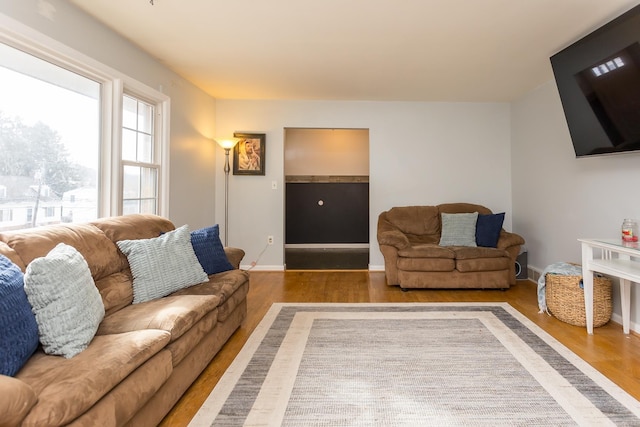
62	160
140	169
6	215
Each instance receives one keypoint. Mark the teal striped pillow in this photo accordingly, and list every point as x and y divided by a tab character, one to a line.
459	229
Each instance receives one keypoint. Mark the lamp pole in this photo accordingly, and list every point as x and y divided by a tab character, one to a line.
227	144
226	194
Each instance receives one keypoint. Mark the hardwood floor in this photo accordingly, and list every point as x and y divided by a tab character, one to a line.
608	350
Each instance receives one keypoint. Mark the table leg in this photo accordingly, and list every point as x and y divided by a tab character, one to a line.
625	296
587	281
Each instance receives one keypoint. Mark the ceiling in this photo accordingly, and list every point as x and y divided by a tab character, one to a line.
383	50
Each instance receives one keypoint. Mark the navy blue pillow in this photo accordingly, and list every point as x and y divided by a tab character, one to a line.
209	250
488	229
19	337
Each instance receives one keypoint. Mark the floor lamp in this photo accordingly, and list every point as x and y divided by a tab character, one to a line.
227	144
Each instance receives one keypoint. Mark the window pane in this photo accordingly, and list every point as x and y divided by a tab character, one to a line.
130	207
148	184
148	206
145	118
129	113
145	148
128	145
49	141
131	182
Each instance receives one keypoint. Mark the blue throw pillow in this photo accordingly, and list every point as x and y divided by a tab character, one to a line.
209	250
19	336
488	229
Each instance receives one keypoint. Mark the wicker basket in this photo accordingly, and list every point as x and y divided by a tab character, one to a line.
565	299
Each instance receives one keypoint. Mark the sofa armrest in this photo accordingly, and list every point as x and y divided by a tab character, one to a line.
17	400
508	240
393	238
234	255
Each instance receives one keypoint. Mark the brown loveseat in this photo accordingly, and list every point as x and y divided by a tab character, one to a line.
144	356
409	240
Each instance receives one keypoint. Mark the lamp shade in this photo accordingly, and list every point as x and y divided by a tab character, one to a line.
227	142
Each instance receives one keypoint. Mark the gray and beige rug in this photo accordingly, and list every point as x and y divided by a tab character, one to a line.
410	365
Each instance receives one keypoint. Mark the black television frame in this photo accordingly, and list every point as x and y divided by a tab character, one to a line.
589	128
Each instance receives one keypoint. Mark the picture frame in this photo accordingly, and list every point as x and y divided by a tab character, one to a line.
249	154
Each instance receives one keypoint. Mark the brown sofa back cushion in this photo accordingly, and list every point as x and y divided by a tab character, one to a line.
96	242
100	253
416	220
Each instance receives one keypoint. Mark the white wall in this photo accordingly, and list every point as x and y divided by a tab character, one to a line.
326	152
558	198
420	154
192	173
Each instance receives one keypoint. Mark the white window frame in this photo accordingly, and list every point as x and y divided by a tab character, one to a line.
114	84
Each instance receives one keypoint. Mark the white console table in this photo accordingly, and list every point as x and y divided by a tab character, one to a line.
617	259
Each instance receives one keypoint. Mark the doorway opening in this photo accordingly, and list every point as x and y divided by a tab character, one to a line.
326	199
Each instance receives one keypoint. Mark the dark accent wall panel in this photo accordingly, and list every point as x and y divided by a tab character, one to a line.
341	217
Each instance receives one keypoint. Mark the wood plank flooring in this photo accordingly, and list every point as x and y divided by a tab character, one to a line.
610	351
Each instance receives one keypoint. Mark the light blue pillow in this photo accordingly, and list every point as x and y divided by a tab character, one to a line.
162	265
459	229
65	300
19	336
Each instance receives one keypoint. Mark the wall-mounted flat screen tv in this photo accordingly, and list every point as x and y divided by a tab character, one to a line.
598	78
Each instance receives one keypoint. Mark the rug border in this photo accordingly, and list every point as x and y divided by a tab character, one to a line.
225	385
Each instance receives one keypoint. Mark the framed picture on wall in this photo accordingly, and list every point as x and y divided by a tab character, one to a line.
248	154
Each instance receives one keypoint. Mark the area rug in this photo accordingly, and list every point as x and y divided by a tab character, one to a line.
421	364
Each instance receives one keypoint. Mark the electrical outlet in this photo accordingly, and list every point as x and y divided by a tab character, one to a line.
270	240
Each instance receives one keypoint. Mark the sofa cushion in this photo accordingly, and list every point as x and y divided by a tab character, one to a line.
17	399
427	251
488	229
64	298
426	264
209	250
101	253
66	388
478	252
162	265
174	314
458	229
225	285
483	264
116	291
416	220
19	336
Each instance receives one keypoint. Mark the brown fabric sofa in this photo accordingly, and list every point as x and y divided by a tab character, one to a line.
144	356
409	239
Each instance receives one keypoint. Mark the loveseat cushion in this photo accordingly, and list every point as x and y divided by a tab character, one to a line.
173	314
66	388
416	220
483	264
427	251
426	264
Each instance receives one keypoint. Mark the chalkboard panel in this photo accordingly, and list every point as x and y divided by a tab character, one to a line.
327	212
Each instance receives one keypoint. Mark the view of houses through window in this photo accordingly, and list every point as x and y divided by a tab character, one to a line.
51	153
49	143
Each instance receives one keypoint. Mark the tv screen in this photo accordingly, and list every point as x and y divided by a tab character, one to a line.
598	78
